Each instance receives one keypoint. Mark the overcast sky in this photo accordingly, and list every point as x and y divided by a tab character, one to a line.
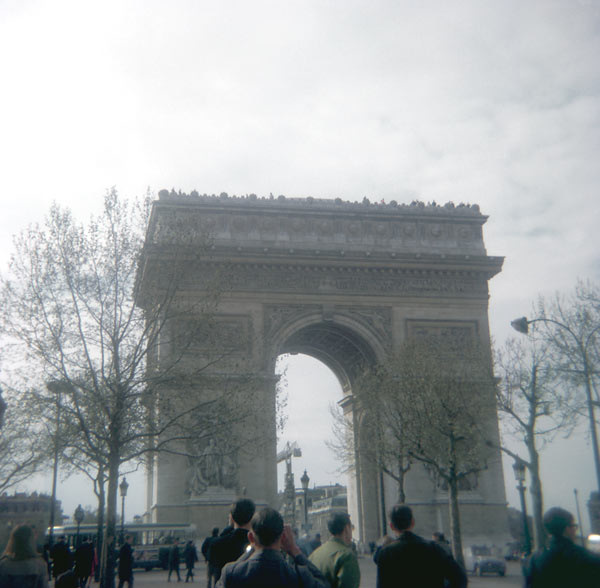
488	102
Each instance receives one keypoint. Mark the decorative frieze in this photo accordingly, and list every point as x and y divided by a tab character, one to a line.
457	331
221	333
351	281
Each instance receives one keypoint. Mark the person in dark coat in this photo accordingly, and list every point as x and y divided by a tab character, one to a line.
229	547
84	558
174	560
126	563
264	566
190	556
61	556
412	562
211	572
207	541
562	563
439	539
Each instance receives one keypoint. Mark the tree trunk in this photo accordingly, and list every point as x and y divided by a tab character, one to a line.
100	531
536	497
401	479
108	551
455	521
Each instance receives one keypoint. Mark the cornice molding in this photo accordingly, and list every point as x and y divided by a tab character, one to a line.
304	224
252	201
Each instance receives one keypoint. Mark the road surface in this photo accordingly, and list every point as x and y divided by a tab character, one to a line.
158	578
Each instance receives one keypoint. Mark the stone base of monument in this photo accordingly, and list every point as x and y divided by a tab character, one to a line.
210	509
214	495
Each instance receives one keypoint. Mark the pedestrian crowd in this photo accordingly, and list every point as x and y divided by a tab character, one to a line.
257	550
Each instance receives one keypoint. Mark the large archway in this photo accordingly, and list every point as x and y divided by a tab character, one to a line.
344	282
340	346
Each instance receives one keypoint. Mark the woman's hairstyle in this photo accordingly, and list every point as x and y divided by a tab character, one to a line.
21	544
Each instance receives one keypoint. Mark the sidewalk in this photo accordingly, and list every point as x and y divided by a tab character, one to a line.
368	570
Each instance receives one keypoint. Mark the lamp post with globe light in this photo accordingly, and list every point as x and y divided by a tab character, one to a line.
78	515
123	486
519	468
304	480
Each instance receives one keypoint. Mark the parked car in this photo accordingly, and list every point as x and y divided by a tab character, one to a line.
480	560
512	551
149	556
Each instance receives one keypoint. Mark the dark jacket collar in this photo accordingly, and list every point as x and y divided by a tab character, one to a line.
268	554
409	537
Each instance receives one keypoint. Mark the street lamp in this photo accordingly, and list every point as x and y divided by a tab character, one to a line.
304	480
521	325
123	486
519	468
579	516
78	516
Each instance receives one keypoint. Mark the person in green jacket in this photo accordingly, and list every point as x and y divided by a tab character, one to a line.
336	558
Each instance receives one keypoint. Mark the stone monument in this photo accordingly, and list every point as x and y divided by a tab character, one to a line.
344	282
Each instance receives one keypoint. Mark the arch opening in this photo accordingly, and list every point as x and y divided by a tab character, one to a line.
339	348
318	364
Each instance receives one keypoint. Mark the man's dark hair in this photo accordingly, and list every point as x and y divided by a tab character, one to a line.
556	520
401	517
267	525
338	522
215	531
127	537
242	511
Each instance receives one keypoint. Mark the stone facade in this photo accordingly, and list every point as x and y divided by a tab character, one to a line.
30	509
344	282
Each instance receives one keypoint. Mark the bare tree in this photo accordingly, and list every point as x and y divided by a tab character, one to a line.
571	326
21	452
134	373
532	407
378	435
429	403
446	392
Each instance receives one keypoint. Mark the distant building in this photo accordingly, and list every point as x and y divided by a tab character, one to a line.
321	502
31	509
334	500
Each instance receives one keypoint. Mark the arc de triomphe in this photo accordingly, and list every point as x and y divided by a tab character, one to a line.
345	283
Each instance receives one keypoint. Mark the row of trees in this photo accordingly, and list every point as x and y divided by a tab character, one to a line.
97	372
435	402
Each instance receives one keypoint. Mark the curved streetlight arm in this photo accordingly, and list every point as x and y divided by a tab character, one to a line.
522	326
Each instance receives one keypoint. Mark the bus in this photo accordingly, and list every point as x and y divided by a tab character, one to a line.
151	541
